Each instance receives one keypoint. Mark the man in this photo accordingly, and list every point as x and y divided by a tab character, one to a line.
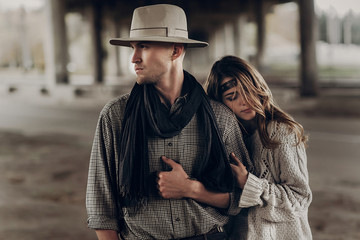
134	191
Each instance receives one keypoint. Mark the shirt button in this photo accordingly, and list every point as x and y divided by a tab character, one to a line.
170	144
177	219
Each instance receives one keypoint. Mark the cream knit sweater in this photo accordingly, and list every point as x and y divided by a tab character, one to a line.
277	193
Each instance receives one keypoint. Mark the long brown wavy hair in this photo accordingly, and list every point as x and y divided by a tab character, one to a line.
256	93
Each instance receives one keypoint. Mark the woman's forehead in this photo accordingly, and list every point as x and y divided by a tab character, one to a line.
227	83
226	79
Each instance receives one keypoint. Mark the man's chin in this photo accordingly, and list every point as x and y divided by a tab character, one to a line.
143	80
140	81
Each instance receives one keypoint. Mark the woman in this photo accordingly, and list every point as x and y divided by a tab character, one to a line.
277	193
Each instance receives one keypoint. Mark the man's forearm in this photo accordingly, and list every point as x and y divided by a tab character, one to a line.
176	184
199	193
107	234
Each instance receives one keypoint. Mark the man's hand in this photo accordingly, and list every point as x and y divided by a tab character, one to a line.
239	170
174	184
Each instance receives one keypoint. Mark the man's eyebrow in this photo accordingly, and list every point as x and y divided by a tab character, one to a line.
143	42
138	43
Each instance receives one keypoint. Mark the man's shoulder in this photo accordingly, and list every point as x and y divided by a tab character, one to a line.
221	111
115	106
225	118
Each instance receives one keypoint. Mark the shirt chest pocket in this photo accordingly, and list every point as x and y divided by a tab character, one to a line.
177	148
186	148
192	149
192	155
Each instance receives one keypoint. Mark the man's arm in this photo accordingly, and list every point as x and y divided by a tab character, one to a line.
107	234
176	184
102	203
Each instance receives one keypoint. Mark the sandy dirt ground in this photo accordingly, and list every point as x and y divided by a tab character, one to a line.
43	178
42	182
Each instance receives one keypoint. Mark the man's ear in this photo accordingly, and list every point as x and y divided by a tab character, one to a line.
178	49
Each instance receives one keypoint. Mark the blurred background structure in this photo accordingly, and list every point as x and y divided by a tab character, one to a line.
300	43
57	70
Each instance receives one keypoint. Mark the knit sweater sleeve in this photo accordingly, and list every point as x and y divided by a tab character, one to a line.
289	195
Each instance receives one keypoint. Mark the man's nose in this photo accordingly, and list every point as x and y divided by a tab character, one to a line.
135	57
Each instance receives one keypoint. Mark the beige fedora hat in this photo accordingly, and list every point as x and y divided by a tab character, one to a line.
158	23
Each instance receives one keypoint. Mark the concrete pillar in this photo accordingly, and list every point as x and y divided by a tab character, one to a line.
124	53
97	48
239	38
56	47
222	41
119	71
26	61
333	29
216	43
229	39
309	74
112	60
348	21
261	33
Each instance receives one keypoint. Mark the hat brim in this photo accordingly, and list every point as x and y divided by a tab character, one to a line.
189	42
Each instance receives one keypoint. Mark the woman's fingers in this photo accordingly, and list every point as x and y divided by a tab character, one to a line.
237	161
239	171
234	158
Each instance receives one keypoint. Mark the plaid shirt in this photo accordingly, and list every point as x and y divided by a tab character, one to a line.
161	218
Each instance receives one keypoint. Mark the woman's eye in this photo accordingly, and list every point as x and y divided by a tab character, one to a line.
231	96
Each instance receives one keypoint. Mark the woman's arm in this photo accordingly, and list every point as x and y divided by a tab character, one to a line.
176	184
290	195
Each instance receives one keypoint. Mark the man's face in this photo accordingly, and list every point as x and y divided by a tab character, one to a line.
152	61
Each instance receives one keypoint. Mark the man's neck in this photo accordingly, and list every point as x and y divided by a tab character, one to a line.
170	89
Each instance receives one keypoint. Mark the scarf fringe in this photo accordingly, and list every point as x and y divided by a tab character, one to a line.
134	202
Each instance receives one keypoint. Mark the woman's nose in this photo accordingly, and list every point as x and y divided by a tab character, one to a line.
242	101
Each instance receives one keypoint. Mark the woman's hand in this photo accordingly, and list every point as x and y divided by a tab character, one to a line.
239	170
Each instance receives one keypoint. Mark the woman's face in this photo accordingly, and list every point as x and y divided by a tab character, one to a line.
236	102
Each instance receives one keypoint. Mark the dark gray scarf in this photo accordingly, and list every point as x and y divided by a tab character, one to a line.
146	116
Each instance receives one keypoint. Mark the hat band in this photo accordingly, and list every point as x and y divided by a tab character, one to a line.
160	32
